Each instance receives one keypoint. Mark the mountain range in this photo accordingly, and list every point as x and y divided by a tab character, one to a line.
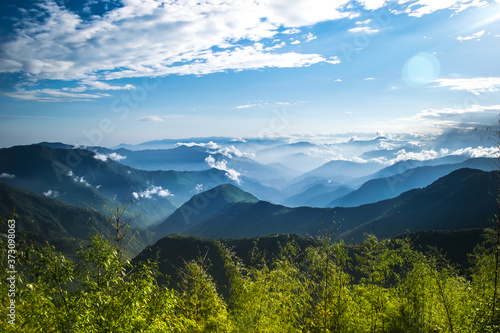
239	188
463	199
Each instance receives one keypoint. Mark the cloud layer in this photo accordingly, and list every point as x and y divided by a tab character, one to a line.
147	38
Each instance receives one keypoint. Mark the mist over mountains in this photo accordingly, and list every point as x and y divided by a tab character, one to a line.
221	187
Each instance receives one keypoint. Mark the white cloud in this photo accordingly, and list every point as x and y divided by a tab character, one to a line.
88	84
433	113
239	140
291	31
366	30
154	38
424	7
475	85
333	60
51	194
222	165
77	179
246	106
480	151
365	22
101	157
148	38
209	145
423	155
239	58
295	42
261	104
232	150
111	156
116	157
453	117
310	36
372	4
151	192
199	188
51	95
476	36
82	180
155	119
7	175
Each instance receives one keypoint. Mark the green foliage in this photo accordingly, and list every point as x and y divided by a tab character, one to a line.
98	293
200	307
267	298
379	286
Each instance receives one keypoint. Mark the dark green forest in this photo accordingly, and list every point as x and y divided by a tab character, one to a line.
292	285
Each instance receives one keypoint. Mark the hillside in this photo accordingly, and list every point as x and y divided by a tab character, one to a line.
464	199
202	207
67	227
342	171
389	187
79	177
319	195
172	252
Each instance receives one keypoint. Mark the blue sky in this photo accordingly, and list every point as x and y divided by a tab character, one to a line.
106	72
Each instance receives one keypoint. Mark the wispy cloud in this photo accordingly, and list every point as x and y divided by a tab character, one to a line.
21	116
366	30
372	4
491	152
291	31
246	106
424	7
477	36
209	145
155	119
310	36
261	104
453	117
474	85
98	85
57	44
151	38
433	113
7	175
51	95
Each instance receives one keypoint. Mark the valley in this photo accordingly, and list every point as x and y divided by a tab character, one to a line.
224	189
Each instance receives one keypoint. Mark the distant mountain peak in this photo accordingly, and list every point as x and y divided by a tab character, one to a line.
203	206
231	193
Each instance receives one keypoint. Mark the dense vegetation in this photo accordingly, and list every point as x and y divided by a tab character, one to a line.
42	219
308	289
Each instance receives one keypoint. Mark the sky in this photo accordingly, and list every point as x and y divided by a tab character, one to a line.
102	73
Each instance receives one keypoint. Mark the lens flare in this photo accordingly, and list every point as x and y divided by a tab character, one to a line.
421	69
